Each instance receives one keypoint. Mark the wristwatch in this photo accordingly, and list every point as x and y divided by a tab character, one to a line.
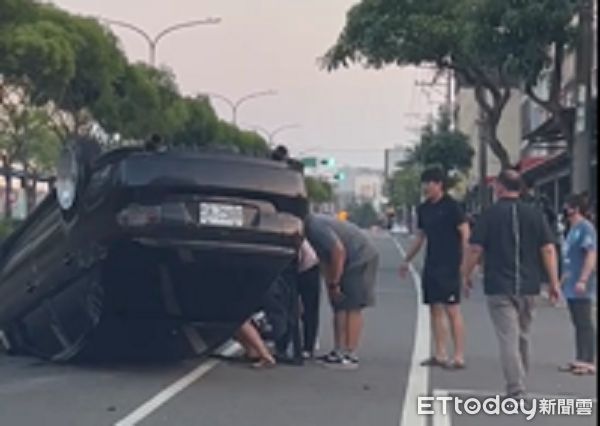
333	285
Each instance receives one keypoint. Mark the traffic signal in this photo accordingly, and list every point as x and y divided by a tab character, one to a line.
309	162
339	176
328	162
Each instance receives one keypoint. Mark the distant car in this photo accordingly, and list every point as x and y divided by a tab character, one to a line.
399	229
141	251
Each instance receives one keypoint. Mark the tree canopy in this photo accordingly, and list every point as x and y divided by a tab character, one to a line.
443	146
492	45
74	68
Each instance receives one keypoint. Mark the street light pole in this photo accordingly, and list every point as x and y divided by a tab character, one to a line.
271	134
153	41
235	105
581	151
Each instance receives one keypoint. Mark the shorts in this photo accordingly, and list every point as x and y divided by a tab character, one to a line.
441	287
358	286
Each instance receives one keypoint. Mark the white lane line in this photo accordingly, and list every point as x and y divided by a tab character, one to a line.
418	377
488	394
439	417
172	390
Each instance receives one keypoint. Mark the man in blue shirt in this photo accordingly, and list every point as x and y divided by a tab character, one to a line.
579	262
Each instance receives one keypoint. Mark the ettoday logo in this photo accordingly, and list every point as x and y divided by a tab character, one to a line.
497	405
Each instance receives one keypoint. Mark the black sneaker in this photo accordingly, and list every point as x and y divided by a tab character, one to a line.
339	362
330	357
352	359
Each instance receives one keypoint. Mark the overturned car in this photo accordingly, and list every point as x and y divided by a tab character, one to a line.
147	252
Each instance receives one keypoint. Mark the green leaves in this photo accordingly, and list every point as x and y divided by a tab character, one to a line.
74	66
318	190
405	186
439	145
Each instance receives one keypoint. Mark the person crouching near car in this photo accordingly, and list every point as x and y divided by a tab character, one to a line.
579	252
350	263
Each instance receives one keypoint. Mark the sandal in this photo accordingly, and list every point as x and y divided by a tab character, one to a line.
583	370
455	365
434	362
567	368
264	364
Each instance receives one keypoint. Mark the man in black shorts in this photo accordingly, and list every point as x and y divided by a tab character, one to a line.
443	225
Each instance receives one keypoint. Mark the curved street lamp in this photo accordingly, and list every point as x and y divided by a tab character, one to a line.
235	104
271	134
153	41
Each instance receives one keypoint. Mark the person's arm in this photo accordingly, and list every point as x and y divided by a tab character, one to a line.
550	260
549	257
474	252
465	234
412	252
590	246
415	247
335	268
471	259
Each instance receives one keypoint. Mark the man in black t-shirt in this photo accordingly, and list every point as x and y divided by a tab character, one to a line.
443	225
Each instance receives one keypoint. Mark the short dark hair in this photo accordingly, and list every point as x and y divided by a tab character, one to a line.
280	153
434	174
511	180
579	202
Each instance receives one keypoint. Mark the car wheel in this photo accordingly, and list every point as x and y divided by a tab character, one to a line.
73	172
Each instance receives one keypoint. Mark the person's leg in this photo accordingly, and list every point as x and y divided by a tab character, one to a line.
310	290
457	327
526	310
440	331
340	319
584	332
503	313
354	327
250	336
574	314
588	334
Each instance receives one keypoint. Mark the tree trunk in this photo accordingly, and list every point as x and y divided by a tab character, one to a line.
28	189
492	108
7	188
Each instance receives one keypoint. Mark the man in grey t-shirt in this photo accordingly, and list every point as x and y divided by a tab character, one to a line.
350	264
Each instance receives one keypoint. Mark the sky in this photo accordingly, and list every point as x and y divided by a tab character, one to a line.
351	115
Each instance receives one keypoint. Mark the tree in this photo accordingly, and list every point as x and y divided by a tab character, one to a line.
405	188
26	139
318	190
440	145
490	44
70	61
364	215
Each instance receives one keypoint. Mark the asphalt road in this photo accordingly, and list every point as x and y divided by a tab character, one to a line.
216	393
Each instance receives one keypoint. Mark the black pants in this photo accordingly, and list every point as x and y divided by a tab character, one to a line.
585	335
282	309
309	288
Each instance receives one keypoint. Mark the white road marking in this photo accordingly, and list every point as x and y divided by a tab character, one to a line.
171	391
418	377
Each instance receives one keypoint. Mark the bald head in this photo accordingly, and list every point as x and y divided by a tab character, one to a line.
510	181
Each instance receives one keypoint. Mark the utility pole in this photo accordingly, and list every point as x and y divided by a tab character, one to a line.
582	153
483	161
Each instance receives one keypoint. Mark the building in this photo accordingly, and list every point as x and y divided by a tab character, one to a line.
393	158
546	159
360	185
509	131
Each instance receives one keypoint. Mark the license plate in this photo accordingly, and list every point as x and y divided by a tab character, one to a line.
215	214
